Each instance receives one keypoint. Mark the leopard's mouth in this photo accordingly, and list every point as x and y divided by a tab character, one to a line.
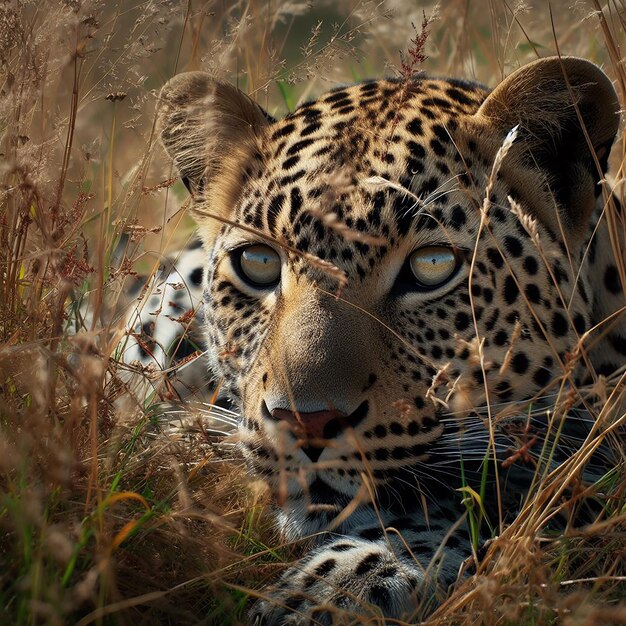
313	447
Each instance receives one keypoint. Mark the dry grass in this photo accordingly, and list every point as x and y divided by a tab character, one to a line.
105	518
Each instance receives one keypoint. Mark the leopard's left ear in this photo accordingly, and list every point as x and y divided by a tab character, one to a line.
210	129
568	115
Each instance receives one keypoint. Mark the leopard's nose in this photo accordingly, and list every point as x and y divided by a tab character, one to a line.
316	426
311	425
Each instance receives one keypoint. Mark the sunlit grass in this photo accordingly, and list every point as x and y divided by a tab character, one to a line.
107	514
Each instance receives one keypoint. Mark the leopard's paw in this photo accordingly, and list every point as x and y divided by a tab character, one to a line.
339	580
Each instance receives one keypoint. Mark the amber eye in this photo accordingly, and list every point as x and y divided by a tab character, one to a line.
432	266
259	265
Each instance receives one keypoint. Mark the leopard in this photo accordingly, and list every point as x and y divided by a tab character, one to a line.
385	270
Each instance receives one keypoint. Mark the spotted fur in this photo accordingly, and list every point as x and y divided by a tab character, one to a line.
162	353
361	389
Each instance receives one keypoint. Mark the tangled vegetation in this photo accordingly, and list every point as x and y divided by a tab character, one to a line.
108	514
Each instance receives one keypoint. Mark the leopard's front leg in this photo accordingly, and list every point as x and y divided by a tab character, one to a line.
368	573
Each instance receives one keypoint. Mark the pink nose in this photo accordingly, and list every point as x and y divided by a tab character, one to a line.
311	424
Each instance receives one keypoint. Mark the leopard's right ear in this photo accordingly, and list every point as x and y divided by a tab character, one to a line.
210	130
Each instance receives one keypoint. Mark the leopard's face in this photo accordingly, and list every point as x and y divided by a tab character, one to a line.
363	295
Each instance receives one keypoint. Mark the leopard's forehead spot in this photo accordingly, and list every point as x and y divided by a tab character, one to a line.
368	126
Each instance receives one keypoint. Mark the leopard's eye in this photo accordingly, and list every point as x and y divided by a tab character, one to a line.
259	265
432	266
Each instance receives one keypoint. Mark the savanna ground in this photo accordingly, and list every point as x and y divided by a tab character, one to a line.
106	517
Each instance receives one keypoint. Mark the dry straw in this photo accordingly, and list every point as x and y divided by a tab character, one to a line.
108	513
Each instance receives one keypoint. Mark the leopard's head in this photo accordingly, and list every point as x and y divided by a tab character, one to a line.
387	256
